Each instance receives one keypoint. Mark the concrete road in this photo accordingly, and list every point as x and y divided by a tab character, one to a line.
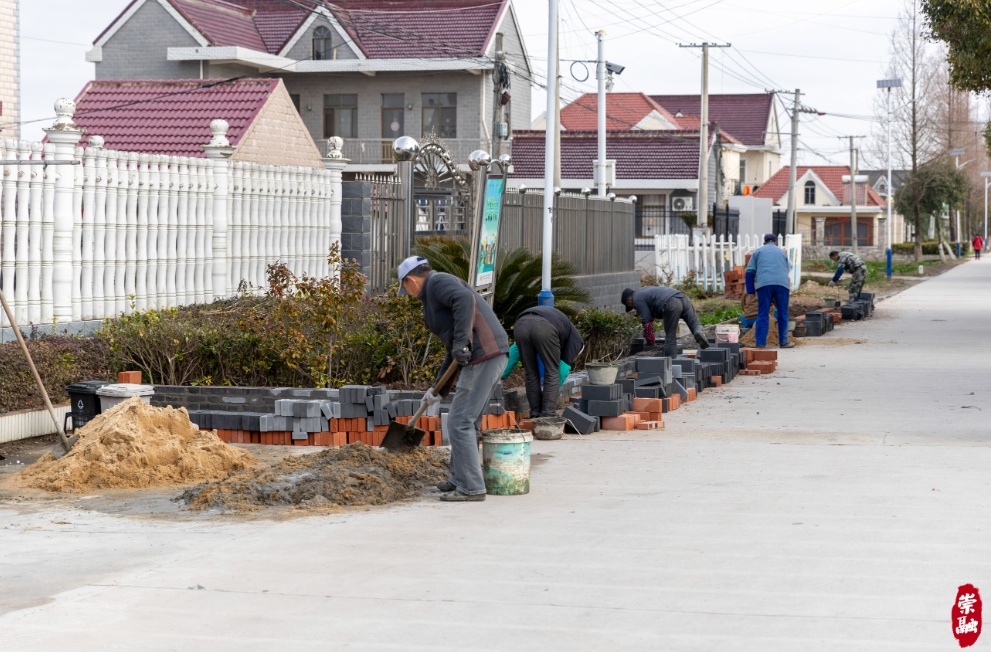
834	505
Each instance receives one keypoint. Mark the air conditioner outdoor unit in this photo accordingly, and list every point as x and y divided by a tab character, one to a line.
682	203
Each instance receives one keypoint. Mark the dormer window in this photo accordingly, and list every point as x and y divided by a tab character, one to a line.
322	47
810	193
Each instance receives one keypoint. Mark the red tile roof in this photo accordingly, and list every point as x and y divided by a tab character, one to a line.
623	112
830	175
382	29
638	154
746	116
394	29
221	22
171	116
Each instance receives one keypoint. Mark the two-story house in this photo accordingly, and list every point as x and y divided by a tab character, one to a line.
823	208
744	150
748	123
367	71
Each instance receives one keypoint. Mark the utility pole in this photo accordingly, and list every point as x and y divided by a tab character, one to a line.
793	170
853	193
796	111
853	196
703	192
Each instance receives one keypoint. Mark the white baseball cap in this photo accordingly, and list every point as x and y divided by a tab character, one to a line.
406	267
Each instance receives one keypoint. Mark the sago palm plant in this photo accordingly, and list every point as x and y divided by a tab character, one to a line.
517	278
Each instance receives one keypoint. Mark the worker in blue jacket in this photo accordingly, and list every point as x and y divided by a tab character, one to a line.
544	335
767	275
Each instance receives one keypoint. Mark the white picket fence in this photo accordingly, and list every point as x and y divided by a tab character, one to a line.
709	256
106	232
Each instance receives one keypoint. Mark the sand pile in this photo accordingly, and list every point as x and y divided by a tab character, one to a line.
750	337
351	475
135	445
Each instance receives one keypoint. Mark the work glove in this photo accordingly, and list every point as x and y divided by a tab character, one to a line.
462	356
431	398
832	284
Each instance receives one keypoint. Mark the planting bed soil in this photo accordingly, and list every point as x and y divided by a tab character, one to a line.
348	476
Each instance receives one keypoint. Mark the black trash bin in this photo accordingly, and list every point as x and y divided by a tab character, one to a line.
83	401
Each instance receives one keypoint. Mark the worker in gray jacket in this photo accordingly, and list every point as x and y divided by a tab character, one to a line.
546	333
475	339
670	305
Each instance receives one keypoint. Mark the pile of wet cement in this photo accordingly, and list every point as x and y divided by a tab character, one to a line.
134	446
352	475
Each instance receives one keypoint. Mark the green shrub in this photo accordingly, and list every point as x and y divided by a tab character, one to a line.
60	361
929	248
607	334
518	277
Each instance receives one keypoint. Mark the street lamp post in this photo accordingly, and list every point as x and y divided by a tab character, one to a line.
889	84
987	182
956	154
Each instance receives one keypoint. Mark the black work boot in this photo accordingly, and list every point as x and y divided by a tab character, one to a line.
701	339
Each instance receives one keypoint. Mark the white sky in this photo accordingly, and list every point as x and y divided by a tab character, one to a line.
834	51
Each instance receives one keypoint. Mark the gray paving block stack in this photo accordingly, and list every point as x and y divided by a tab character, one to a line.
299	415
606	408
603	400
734	349
201	418
659	366
274	423
581	423
719	358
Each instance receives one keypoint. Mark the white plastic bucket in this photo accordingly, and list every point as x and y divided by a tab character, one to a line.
111	395
506	461
728	333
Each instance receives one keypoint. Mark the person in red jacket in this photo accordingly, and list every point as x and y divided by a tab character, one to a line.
978	244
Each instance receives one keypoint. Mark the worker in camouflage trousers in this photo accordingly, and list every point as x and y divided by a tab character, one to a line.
855	266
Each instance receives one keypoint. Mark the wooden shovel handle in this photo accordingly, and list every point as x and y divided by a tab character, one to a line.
34	371
451	368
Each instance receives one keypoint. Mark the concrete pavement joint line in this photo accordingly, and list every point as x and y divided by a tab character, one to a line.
518	603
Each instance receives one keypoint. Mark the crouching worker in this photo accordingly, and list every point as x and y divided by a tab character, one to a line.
852	264
670	305
474	339
547	333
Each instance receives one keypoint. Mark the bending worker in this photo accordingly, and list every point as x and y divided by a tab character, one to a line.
854	265
475	339
670	305
767	276
548	333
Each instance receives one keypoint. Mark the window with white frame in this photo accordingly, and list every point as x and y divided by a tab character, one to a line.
322	44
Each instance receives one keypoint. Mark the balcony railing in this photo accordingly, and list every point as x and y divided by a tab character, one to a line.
379	151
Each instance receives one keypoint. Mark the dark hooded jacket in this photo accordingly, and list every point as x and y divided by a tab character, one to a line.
460	317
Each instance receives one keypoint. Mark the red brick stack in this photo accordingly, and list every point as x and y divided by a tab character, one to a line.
760	361
735	281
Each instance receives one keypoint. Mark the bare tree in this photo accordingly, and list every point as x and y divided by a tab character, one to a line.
918	130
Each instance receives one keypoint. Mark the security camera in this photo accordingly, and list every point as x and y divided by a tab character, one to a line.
615	68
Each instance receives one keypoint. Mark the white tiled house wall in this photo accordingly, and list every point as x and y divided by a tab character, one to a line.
10	67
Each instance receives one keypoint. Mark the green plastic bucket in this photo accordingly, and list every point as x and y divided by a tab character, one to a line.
506	461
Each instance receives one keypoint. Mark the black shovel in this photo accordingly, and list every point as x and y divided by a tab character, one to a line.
399	435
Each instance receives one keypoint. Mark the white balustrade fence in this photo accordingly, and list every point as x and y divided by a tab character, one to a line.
709	256
122	231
